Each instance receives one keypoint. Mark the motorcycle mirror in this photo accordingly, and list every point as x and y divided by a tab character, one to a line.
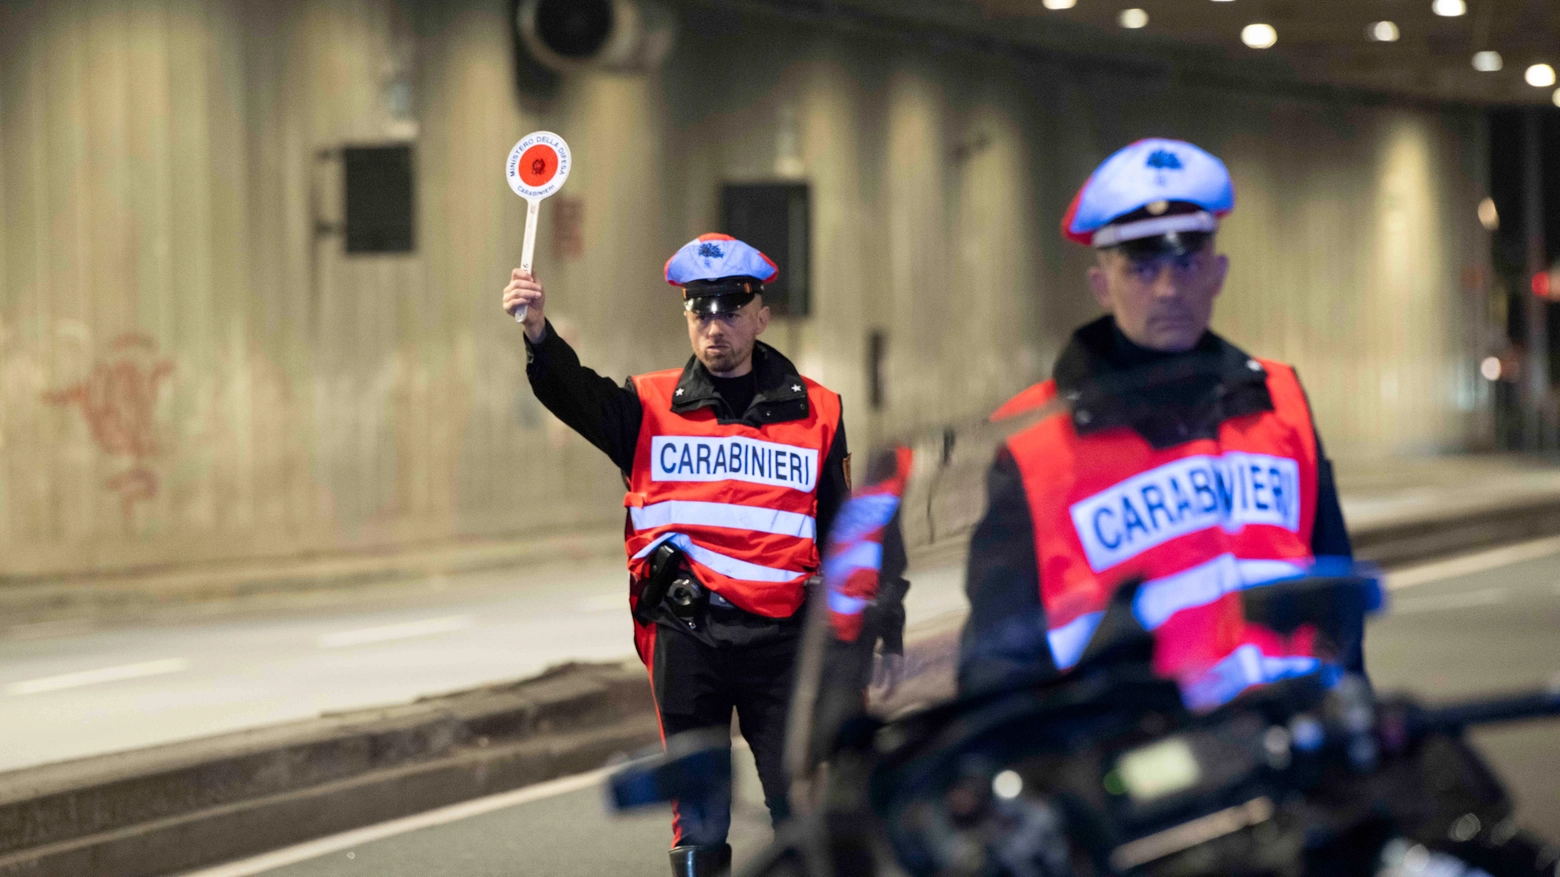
695	765
1335	605
1120	637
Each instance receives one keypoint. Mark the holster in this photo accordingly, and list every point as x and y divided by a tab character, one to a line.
665	566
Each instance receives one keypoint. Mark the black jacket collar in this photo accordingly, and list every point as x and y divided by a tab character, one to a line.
1168	399
782	395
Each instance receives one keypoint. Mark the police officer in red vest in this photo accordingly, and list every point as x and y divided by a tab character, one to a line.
735	466
1158	451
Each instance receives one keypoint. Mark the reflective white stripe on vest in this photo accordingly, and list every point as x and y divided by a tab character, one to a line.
838	566
844	604
837	570
1244	668
690	513
726	565
1069	640
1158	599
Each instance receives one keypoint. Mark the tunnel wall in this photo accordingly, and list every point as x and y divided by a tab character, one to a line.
192	371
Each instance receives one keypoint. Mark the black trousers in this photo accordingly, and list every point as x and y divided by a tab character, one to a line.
697	684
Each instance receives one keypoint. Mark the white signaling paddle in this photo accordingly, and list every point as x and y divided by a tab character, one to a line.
536	168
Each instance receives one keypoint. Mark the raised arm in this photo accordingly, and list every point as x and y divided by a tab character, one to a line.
606	414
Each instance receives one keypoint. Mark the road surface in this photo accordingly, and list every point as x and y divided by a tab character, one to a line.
1469	626
101	691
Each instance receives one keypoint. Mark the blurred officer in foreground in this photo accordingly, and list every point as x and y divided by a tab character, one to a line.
1160	451
735	466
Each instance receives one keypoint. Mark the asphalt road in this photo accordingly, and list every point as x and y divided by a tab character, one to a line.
559	835
107	690
1472	626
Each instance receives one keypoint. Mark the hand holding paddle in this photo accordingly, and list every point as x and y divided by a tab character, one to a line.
536	168
525	298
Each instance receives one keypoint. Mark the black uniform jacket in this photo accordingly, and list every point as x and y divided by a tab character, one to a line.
609	415
1005	637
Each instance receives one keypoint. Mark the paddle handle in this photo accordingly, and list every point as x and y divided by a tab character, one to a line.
528	250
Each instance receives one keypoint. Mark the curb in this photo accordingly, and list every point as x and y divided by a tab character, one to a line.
87	595
178	807
1418	541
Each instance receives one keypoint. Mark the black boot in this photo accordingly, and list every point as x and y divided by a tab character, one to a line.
701	861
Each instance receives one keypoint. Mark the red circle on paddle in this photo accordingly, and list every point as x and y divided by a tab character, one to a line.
538	164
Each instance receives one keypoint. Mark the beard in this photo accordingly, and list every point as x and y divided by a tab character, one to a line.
723	359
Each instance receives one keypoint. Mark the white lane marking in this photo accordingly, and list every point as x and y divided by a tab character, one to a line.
1442	602
407	630
442	816
603	603
94	677
50	629
1473	563
359	836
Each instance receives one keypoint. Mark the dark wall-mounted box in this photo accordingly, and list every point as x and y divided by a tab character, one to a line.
775	217
380	202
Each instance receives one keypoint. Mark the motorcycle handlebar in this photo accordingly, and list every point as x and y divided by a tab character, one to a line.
1510	708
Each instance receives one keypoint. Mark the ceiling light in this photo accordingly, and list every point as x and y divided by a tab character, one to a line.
1007	785
1489	217
1555	98
1383	32
1540	76
1133	18
1259	36
1449	8
1487	61
1059	4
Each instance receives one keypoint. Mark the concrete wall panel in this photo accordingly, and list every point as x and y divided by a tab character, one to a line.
190	371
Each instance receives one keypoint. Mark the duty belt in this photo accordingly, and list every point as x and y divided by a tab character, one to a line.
671	583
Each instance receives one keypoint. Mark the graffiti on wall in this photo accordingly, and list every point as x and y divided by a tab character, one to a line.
118	401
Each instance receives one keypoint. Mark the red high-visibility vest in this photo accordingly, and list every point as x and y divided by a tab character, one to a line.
1198	522
854	559
740	501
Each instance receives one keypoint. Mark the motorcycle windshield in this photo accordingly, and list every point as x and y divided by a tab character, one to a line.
938	529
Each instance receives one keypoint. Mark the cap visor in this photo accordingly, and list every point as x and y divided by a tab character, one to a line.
1176	243
712	305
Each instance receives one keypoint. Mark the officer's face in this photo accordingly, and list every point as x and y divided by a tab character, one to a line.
724	342
1163	302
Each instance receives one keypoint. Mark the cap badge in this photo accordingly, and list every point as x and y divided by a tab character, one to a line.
1157	208
1164	160
710	251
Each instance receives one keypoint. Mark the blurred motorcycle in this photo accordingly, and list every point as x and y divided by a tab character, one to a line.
1106	770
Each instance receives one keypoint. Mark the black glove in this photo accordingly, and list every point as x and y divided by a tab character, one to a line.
884	618
883	622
